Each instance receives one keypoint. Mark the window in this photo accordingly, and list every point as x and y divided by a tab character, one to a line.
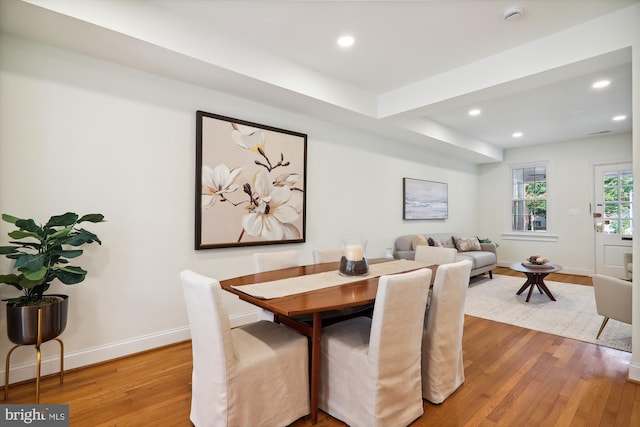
529	205
618	198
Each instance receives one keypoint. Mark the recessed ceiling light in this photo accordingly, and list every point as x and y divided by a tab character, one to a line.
600	84
346	41
516	134
474	112
619	118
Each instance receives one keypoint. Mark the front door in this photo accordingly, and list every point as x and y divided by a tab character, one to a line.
613	217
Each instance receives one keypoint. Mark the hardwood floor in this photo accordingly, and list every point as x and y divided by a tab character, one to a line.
514	377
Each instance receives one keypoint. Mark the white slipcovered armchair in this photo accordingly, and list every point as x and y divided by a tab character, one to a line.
628	265
613	299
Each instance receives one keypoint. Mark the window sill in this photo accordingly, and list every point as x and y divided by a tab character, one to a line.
530	236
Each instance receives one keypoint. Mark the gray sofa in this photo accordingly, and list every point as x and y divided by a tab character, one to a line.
483	261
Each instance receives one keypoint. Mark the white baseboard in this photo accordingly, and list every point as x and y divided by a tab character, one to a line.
90	356
246	318
77	359
634	372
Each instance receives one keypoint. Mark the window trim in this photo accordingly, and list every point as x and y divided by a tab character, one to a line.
537	235
534	236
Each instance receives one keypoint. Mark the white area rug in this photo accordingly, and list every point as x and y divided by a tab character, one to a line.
573	315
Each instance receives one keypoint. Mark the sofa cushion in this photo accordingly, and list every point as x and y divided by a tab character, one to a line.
403	243
435	242
465	244
418	240
478	259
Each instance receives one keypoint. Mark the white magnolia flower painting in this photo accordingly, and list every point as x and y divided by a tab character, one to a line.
251	183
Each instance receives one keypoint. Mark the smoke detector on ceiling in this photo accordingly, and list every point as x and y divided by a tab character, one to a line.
512	13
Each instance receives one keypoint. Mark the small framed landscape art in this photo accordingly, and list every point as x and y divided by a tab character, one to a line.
425	199
250	183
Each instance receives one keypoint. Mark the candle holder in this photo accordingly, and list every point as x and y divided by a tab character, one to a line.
354	258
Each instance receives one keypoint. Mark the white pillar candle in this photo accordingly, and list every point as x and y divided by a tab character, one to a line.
353	252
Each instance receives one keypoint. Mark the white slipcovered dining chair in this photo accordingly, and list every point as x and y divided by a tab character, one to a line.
613	299
442	364
253	375
435	255
370	373
327	255
266	261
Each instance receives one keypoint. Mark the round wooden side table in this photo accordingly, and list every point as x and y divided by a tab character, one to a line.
535	277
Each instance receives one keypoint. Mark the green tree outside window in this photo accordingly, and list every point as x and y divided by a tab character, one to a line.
529	207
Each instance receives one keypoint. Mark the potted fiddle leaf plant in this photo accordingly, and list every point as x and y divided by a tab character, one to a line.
41	254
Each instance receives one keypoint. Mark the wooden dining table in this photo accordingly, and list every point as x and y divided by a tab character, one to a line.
312	303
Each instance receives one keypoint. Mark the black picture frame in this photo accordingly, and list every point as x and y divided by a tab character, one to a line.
250	186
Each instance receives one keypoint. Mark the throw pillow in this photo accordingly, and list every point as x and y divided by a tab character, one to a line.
434	242
467	244
418	240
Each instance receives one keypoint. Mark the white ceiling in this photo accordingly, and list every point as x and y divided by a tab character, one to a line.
283	53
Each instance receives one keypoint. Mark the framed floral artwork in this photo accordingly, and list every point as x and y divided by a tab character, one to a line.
425	199
250	183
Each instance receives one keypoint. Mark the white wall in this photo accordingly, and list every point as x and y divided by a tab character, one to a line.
84	135
570	187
